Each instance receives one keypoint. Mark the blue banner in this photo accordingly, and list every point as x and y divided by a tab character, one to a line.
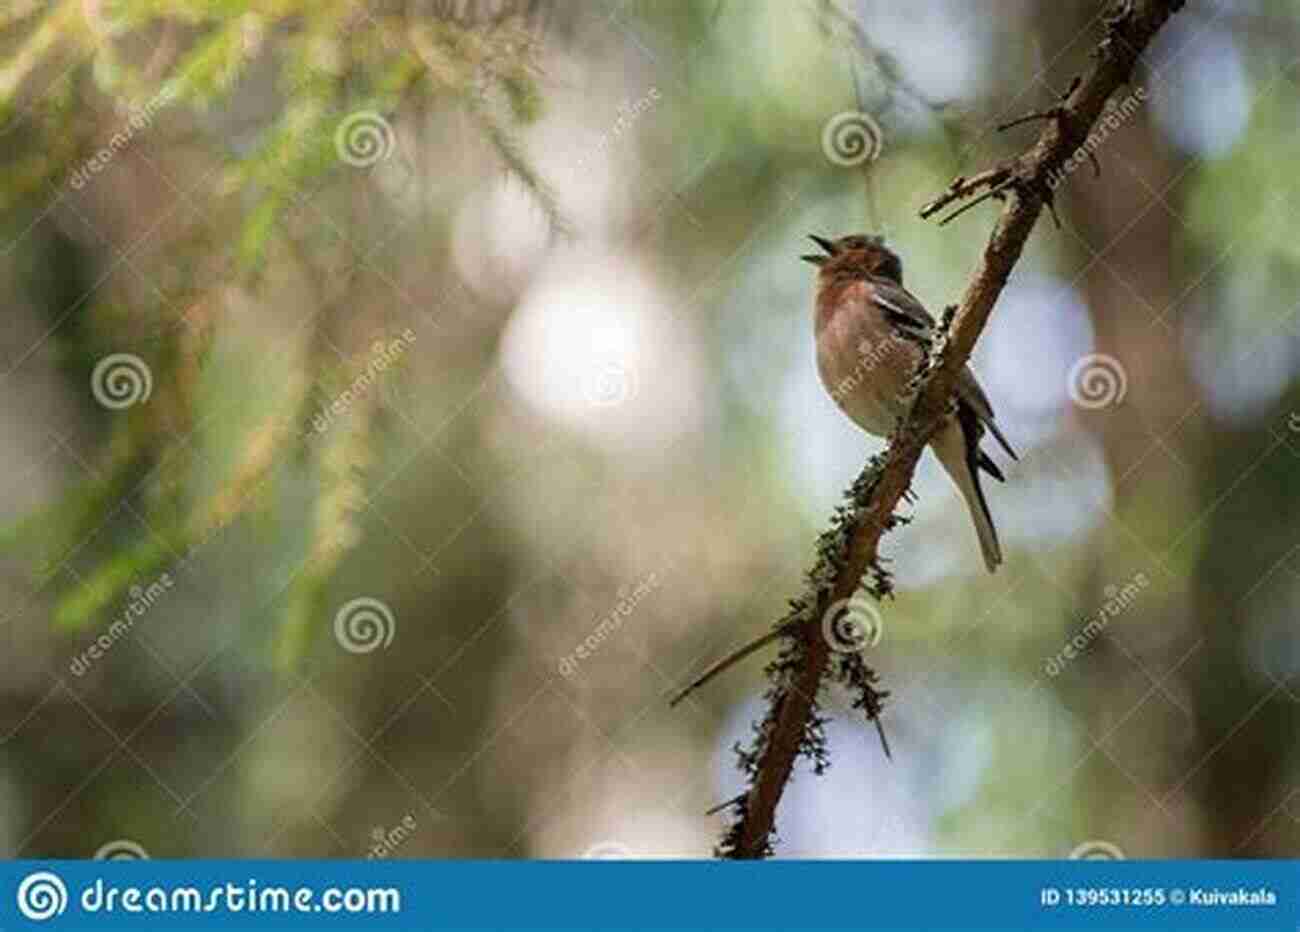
778	895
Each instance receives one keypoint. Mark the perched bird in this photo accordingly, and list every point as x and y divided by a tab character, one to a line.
871	335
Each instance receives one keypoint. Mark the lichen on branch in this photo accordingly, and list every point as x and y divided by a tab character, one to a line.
849	549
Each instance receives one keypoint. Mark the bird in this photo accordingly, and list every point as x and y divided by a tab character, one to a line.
871	334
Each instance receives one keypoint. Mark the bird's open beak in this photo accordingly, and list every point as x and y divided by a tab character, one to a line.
824	244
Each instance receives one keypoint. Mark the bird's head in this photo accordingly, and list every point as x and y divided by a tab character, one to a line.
857	255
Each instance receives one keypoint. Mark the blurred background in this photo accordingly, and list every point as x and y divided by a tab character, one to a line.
402	399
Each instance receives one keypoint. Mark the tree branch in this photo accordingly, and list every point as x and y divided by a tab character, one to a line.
850	548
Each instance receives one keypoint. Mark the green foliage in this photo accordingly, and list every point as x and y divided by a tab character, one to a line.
99	592
310	70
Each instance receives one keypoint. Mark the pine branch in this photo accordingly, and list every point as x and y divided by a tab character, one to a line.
792	726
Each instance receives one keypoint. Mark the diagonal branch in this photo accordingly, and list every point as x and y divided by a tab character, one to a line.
792	726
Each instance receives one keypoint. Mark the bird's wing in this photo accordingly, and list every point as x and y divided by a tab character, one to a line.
969	391
902	310
910	316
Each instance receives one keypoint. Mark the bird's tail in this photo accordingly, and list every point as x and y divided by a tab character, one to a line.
957	446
